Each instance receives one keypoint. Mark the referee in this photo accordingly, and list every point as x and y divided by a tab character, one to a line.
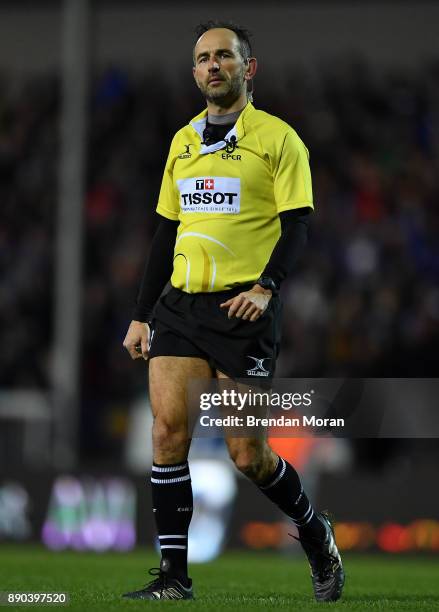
234	206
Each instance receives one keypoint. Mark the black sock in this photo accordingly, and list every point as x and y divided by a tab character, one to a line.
285	490
172	506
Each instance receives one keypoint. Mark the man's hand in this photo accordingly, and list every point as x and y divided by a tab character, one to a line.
248	305
137	340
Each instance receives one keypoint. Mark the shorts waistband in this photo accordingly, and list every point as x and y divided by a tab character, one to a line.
219	294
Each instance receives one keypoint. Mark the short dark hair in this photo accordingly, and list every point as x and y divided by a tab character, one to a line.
243	34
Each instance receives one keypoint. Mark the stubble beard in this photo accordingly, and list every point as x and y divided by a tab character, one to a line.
228	95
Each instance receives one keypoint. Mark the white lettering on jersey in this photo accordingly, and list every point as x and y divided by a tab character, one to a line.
210	194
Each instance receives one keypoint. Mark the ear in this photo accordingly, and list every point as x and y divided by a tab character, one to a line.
195	78
252	66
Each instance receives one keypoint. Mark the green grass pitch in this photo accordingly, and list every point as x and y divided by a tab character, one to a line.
236	581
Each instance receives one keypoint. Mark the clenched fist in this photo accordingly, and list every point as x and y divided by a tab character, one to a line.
137	340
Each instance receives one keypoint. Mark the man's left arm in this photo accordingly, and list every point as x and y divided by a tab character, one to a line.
250	305
293	195
289	247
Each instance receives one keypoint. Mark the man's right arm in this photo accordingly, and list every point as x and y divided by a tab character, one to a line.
157	272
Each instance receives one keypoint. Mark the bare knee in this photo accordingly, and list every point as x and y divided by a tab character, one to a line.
254	461
170	441
248	463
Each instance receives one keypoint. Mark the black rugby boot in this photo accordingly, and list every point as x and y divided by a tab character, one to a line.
327	572
162	586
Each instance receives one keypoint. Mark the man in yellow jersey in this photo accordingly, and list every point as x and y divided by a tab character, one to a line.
234	205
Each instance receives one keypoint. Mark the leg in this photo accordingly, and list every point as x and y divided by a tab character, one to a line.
170	478
277	479
253	457
168	378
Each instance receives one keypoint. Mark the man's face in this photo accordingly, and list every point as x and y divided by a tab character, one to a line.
219	69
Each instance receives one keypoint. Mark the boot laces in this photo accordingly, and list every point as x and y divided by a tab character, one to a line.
159	580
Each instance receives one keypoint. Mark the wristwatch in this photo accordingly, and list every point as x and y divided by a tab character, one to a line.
266	282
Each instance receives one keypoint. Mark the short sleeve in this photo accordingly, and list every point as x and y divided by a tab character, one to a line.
292	177
169	205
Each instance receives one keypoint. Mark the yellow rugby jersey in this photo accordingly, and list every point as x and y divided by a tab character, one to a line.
228	199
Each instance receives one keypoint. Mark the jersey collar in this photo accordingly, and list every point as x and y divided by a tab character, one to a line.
199	125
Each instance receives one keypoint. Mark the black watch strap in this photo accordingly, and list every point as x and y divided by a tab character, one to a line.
266	282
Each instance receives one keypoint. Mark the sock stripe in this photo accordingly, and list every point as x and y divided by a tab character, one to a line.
303	517
173	546
285	490
300	496
278	477
310	517
171	536
169	468
301	522
170	480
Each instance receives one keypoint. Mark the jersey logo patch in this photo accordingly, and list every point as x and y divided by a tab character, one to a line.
201	184
210	194
186	153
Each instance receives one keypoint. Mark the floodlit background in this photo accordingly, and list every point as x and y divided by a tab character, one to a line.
90	96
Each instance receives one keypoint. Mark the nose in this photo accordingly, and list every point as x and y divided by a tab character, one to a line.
213	65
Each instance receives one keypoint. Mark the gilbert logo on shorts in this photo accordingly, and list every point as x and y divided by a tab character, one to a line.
210	194
259	368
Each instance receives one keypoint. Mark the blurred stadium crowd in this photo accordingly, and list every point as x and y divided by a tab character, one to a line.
364	300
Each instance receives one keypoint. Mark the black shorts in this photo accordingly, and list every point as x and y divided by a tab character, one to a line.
194	325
